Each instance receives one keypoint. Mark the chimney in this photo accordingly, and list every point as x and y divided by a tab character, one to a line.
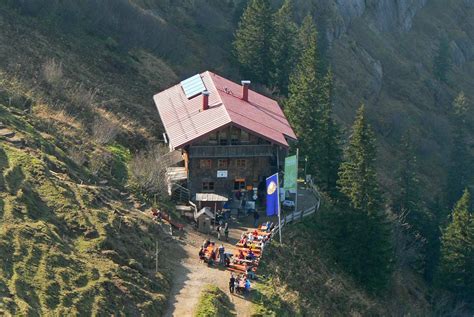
245	89
205	100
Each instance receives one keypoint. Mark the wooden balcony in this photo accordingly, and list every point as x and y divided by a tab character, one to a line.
230	151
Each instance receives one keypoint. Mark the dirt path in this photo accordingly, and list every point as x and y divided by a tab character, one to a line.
192	276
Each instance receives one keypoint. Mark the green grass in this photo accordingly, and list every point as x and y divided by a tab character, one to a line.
213	302
55	235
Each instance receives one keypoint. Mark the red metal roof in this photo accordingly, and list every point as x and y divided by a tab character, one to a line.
184	120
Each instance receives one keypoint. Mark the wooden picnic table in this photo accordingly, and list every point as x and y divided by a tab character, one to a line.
252	246
257	252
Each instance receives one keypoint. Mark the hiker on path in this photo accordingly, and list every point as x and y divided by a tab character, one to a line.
226	231
232	283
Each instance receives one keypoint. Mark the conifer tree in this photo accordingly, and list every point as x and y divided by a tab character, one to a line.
252	41
367	252
330	137
407	199
442	61
302	105
283	47
310	108
461	172
357	175
307	34
457	250
422	228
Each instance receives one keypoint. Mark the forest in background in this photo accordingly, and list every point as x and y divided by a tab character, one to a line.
410	78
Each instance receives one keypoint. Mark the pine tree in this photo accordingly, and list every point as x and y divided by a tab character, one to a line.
461	172
422	229
442	61
310	109
283	47
407	199
302	106
357	175
252	41
330	137
367	252
457	250
307	35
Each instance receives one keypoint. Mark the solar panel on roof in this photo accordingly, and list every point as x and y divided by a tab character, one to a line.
193	86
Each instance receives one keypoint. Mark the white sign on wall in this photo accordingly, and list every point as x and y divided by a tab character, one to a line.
221	174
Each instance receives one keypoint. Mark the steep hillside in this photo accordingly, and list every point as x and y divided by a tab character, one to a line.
383	53
68	246
301	279
73	71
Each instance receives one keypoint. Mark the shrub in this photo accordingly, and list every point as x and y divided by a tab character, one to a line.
148	171
104	131
52	72
213	303
82	98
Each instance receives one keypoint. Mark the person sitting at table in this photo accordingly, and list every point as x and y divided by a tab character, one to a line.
251	256
226	260
247	285
245	246
202	255
241	255
250	273
255	233
206	243
212	258
250	238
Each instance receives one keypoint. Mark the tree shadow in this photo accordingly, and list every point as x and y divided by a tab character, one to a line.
3	159
2	205
14	178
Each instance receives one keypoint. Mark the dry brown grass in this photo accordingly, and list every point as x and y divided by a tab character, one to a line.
104	130
52	72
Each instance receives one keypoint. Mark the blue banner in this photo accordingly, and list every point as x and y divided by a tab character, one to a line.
272	195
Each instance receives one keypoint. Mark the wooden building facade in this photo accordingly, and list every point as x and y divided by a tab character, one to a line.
231	138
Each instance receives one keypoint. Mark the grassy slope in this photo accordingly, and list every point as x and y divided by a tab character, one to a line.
213	303
310	284
66	246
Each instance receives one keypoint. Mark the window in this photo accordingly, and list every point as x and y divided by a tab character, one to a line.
205	163
241	163
208	186
223	137
239	184
222	164
244	136
213	138
234	136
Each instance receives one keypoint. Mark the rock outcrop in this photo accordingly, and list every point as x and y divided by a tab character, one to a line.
384	15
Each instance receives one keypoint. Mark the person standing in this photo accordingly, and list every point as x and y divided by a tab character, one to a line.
255	218
232	283
226	231
221	255
218	232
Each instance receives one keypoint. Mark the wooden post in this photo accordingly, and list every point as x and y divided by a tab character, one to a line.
156	257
